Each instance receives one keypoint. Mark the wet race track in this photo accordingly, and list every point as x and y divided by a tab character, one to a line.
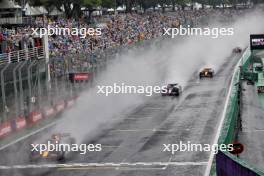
134	146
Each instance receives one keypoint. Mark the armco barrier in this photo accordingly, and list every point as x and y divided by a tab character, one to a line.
227	164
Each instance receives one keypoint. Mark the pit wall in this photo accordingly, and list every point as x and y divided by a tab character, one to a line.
227	164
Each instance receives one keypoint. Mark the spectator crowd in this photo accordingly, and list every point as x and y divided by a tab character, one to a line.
117	30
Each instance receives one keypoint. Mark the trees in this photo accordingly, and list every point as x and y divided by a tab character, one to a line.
73	7
163	4
91	5
147	4
108	4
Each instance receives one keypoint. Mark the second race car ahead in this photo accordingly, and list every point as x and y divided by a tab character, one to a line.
207	72
237	50
172	90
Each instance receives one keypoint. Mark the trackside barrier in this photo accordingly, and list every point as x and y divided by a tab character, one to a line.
60	106
227	164
49	112
5	129
246	61
19	123
35	117
70	102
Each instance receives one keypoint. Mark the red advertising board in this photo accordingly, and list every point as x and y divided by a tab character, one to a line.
5	129
20	123
70	102
49	111
35	116
79	76
60	106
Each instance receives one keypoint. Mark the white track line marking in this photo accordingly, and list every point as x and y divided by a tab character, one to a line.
252	131
72	165
137	118
28	135
110	146
168	162
151	108
140	130
218	132
104	168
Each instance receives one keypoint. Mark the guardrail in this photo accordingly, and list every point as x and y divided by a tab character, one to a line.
227	164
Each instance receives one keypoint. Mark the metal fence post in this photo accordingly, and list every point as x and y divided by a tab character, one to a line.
3	92
39	84
29	85
21	91
15	89
47	81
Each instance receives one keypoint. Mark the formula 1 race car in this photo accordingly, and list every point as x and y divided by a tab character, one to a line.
237	50
55	153
206	72
172	90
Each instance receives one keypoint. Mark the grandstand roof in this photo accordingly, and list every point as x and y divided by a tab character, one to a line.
29	10
8	4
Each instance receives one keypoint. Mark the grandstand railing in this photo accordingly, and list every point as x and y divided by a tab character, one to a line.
17	20
22	55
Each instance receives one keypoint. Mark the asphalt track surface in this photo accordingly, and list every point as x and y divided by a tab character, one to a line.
252	134
134	147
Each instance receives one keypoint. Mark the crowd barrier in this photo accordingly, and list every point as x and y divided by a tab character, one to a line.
22	55
227	164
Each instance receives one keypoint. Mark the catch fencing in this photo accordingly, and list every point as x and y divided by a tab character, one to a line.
27	94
